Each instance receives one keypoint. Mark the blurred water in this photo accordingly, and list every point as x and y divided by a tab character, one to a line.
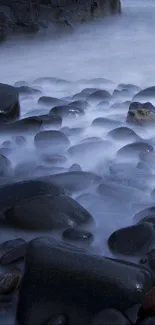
120	47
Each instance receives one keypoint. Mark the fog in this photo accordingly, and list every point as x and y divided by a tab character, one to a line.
120	48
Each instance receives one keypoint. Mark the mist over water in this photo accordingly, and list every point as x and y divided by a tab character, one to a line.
120	48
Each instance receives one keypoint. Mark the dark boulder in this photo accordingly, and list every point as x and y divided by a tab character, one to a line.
88	148
53	140
110	317
47	213
124	94
14	193
141	114
51	101
12	251
49	121
84	93
123	133
145	94
9	103
58	272
151	259
134	149
105	122
26	90
28	125
133	241
130	87
76	180
98	96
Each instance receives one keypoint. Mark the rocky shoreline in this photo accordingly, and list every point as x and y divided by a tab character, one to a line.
29	16
81	157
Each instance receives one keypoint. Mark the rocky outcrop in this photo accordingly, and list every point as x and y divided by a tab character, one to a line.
31	15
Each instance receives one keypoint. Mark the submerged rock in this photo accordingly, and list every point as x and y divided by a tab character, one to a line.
57	272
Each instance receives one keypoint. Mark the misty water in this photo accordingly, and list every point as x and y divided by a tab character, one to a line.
120	48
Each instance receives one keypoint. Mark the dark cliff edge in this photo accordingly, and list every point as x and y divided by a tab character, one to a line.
29	16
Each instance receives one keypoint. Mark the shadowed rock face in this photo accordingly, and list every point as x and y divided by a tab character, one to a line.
29	15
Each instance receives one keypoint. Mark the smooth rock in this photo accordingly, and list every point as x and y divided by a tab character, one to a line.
146	93
9	103
53	140
98	96
131	87
132	150
55	272
28	125
75	181
110	317
133	241
47	213
123	134
14	193
51	120
105	122
89	148
51	101
12	251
